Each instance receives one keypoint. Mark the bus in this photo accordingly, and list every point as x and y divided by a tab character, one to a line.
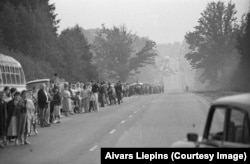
11	73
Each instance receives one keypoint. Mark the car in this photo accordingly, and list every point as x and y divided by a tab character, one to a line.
227	125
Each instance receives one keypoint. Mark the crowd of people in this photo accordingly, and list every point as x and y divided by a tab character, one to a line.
17	112
20	113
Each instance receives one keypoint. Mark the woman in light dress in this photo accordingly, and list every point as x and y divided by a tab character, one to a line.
66	102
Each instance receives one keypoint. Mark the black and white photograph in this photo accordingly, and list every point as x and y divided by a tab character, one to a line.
80	76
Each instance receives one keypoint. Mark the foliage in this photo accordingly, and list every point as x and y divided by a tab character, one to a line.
77	56
115	52
212	43
28	32
243	47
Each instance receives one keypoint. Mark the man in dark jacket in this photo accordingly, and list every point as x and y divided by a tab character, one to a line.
102	94
95	90
43	101
118	89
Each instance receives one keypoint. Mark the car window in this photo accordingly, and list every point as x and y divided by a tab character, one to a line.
217	124
238	127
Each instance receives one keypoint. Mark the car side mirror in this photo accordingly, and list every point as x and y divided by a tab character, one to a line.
193	137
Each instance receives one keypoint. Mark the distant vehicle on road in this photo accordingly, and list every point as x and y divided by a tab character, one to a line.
228	125
11	73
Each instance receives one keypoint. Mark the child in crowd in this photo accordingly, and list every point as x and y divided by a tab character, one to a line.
92	102
77	103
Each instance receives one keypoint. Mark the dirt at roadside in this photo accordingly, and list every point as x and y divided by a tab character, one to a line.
211	96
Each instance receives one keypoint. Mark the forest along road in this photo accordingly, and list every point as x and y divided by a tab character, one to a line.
141	121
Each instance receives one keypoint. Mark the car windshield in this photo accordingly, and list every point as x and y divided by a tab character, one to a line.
216	131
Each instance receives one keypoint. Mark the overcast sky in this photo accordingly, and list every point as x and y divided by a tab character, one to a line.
163	21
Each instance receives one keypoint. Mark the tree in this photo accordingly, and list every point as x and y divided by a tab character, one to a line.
115	53
244	49
29	27
77	56
212	43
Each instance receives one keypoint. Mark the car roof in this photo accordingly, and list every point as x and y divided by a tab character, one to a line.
239	100
38	81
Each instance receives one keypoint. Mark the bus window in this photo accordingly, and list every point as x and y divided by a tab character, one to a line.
1	81
12	69
13	78
8	78
1	73
7	69
16	70
18	80
22	76
4	78
3	70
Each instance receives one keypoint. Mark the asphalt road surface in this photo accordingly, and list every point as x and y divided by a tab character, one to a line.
142	121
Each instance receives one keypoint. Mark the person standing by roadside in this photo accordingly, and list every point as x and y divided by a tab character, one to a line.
95	91
30	111
57	104
55	79
67	104
92	101
35	119
71	89
118	89
23	125
12	92
43	102
85	98
3	120
6	95
102	94
12	119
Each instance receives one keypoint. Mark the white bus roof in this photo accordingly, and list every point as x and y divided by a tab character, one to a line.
10	61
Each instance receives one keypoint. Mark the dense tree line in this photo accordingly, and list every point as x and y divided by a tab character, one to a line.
219	46
28	32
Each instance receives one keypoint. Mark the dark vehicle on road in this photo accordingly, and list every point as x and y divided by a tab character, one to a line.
228	125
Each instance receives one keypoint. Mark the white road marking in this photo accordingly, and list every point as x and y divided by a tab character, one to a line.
93	148
130	116
112	131
123	121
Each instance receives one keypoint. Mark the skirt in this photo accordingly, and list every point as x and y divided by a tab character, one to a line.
56	110
12	129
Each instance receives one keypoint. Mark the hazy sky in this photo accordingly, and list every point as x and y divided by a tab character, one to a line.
163	21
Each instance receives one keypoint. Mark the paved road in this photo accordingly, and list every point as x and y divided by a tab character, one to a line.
143	121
